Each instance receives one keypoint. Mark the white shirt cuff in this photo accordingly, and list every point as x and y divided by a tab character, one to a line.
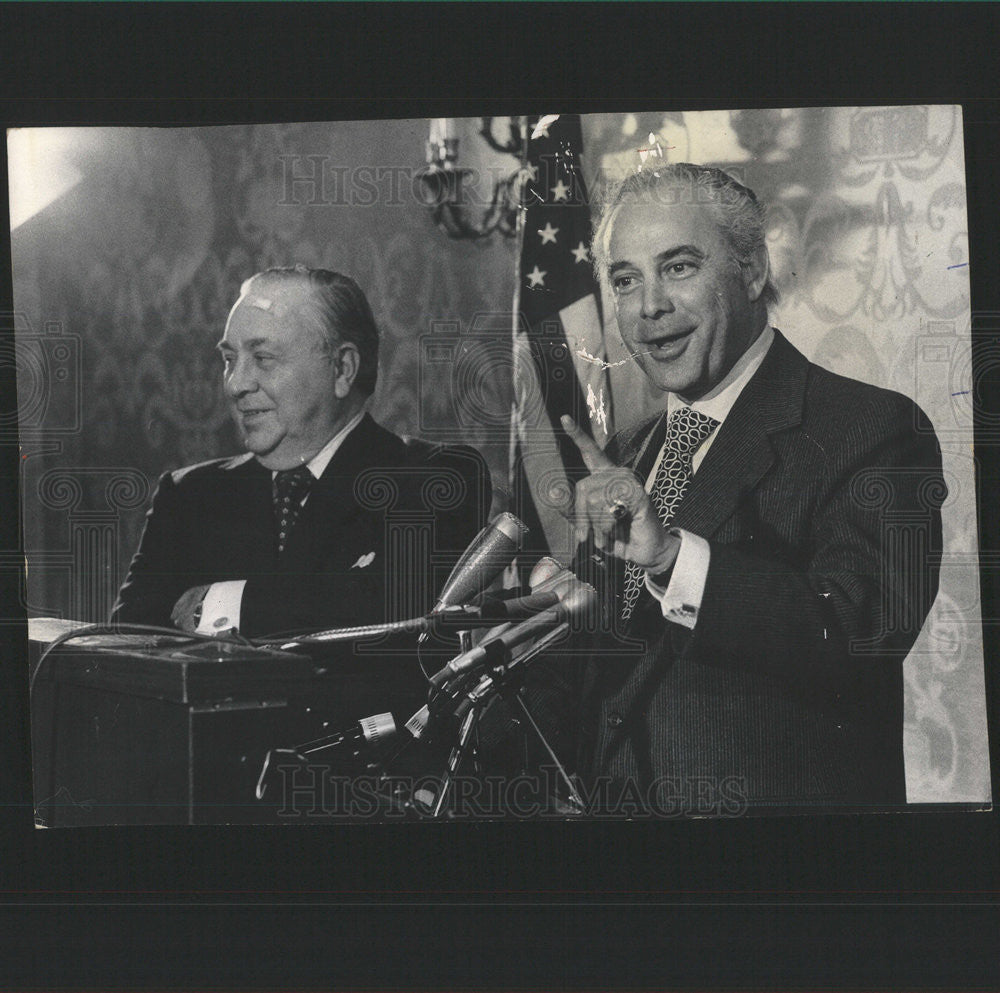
220	610
681	600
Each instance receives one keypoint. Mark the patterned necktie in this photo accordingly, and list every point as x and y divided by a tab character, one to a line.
686	430
290	489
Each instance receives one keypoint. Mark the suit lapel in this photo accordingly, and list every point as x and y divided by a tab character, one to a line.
742	452
644	456
332	497
333	501
368	446
250	516
738	458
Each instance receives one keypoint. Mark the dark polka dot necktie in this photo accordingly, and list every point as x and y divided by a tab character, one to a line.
290	489
686	430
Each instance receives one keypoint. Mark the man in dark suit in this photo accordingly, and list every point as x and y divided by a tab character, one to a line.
770	544
328	520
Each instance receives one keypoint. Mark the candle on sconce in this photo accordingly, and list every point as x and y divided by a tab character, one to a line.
442	130
443	181
441	142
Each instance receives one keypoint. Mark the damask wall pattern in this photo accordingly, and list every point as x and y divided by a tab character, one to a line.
123	283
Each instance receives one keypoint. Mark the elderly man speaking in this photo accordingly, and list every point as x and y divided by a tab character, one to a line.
771	540
293	535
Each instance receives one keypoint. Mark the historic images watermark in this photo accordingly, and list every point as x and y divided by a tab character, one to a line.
313	791
319	180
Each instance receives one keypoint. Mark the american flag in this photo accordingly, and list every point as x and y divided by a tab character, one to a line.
559	353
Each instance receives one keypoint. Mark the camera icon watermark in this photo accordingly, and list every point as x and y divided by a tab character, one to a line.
946	367
465	377
472	380
48	367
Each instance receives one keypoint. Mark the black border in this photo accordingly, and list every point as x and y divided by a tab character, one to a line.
904	901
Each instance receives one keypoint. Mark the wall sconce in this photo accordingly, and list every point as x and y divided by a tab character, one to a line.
446	190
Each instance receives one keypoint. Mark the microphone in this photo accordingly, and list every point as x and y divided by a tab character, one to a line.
559	579
488	611
545	568
575	598
491	551
552	583
500	608
368	731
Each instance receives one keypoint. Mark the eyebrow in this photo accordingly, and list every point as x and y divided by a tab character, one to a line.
224	346
665	256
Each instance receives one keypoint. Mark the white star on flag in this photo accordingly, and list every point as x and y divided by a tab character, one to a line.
580	252
548	233
560	190
542	127
537	276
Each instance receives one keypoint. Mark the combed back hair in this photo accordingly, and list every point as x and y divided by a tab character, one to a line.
737	210
338	310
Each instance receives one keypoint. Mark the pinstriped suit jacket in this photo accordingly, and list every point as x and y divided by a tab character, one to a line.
820	498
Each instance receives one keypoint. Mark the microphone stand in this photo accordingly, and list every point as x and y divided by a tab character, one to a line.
457	755
503	679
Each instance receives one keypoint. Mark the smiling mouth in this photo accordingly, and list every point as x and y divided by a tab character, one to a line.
667	342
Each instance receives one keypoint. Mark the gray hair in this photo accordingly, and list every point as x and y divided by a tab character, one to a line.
738	212
340	311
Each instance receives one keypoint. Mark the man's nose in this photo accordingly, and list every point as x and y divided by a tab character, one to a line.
656	299
240	378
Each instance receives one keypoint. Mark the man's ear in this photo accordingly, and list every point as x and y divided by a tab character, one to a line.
755	273
347	363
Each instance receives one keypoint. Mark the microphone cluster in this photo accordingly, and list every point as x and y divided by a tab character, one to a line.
523	626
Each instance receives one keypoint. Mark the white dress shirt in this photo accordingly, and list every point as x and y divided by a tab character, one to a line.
220	609
681	600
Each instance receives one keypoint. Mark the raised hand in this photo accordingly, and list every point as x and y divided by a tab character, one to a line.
613	504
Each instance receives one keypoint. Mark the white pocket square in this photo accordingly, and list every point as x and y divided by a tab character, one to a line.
364	561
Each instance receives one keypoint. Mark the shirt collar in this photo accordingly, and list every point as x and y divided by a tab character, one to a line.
318	463
719	401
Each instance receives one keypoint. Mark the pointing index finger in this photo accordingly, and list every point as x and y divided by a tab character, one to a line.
593	457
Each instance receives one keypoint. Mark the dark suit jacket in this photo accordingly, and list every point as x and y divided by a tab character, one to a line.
820	498
415	506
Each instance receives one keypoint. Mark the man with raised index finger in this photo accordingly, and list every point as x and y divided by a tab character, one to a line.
771	540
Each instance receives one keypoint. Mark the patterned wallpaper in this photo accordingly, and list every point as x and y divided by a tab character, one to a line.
122	285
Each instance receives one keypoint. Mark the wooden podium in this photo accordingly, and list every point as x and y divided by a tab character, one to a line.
148	729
